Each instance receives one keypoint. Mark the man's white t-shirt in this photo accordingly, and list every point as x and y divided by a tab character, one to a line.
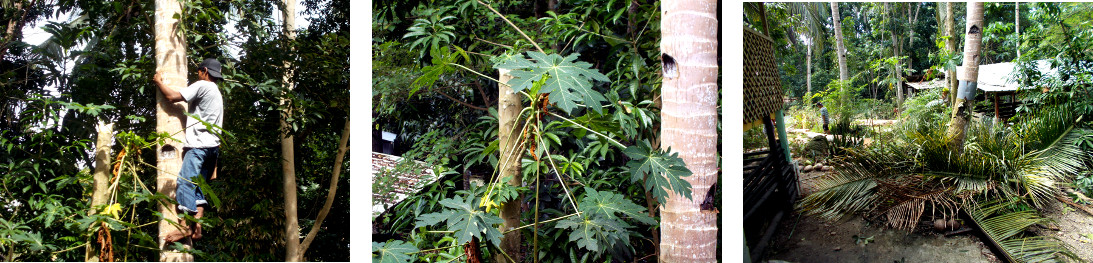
206	103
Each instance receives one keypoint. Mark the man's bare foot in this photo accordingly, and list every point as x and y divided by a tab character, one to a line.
197	232
174	236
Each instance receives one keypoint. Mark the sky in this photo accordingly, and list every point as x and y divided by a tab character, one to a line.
34	35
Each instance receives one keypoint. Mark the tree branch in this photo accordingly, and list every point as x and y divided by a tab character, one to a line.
342	148
464	103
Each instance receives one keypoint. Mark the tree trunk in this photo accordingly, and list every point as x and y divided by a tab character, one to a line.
895	53
689	127
171	64
1017	26
950	45
342	148
508	111
844	75
962	111
101	177
808	73
288	154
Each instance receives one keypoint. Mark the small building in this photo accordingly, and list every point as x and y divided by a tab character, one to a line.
996	84
770	185
391	186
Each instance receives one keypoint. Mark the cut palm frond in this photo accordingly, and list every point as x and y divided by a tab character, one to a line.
847	191
1005	226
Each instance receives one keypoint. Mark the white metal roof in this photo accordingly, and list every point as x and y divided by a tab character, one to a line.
1000	76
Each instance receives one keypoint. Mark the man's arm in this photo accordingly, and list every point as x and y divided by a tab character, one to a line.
171	94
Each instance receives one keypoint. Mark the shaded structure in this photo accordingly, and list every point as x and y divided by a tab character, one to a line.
770	179
997	85
390	186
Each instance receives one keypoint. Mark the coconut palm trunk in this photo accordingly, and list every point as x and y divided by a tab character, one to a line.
508	110
288	154
950	45
965	97
895	53
844	75
808	73
689	125
171	63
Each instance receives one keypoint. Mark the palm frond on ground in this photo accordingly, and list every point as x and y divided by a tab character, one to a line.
912	170
1005	226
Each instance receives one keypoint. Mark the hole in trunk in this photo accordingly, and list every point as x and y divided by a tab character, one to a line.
669	66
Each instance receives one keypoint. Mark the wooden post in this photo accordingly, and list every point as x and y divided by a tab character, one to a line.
997	116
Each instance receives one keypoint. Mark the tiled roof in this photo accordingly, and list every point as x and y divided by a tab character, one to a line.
389	188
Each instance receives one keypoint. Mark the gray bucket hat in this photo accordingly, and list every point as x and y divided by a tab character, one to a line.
213	66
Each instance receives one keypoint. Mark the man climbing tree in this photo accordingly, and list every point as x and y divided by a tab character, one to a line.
206	110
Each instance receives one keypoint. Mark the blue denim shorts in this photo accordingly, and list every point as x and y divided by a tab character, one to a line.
196	162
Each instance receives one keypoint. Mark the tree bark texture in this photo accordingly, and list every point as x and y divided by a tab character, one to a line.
288	154
808	72
101	177
689	126
1017	26
508	110
844	74
962	111
895	53
950	45
171	64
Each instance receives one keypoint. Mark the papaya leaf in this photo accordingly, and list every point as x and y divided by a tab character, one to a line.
609	204
395	251
568	81
648	165
595	233
465	220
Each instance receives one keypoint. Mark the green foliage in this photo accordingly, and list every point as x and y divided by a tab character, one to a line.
661	170
462	217
567	82
393	252
431	33
1004	224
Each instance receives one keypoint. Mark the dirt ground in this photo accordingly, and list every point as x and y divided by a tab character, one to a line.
1073	227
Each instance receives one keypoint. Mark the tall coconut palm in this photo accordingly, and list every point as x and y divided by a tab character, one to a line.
171	63
896	48
836	18
950	46
689	49
965	94
813	17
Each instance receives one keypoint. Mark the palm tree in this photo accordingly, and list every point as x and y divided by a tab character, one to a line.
844	75
813	16
171	64
950	46
689	41
973	40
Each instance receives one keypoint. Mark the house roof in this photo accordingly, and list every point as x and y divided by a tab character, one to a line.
937	83
390	187
999	77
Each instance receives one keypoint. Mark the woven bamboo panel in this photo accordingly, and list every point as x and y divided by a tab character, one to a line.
762	86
